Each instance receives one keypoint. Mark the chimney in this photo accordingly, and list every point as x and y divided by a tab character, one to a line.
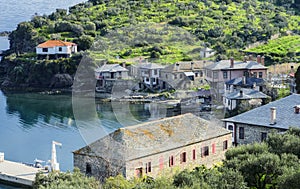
250	57
273	116
244	80
258	59
192	65
297	109
177	67
124	64
262	60
241	93
231	62
254	85
245	58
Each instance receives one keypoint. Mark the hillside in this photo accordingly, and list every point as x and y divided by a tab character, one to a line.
226	26
284	49
164	31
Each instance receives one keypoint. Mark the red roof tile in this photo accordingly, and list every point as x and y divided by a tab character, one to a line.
55	43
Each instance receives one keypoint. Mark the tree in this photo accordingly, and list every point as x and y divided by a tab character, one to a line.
75	180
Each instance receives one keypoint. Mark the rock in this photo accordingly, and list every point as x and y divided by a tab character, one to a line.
7	83
61	81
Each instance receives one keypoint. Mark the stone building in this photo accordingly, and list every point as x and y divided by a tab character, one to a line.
159	147
254	125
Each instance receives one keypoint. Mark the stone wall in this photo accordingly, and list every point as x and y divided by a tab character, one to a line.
160	161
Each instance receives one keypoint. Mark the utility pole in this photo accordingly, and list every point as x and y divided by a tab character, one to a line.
54	163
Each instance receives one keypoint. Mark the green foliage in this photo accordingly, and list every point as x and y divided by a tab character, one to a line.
75	180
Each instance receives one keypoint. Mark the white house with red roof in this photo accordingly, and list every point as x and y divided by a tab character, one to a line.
56	48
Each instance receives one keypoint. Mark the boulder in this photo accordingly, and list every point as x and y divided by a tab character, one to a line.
61	81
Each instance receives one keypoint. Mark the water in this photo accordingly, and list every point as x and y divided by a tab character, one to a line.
29	123
13	12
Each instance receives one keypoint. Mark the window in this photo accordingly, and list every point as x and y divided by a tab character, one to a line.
166	76
155	72
213	148
205	151
260	74
194	154
201	74
147	79
263	136
254	74
59	49
183	157
148	167
196	74
88	168
215	75
175	76
45	49
225	145
224	74
246	73
241	133
171	161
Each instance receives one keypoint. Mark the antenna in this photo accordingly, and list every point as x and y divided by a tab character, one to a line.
54	163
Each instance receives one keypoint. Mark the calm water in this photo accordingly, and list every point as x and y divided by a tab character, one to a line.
29	123
13	12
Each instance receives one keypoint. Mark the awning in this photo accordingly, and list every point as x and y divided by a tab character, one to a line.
189	74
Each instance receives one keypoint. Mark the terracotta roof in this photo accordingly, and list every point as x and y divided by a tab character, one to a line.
55	43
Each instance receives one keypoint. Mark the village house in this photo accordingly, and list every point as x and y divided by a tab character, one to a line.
154	148
220	72
232	100
55	49
108	74
207	52
255	83
183	75
254	125
148	74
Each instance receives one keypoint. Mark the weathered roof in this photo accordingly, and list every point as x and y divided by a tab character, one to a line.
186	66
249	81
247	94
111	68
151	66
55	43
285	116
225	64
153	137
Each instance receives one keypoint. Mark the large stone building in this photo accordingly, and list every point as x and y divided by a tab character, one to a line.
154	148
254	125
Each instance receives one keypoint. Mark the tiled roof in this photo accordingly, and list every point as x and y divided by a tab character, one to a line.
247	94
225	64
186	66
285	116
249	81
55	43
150	66
153	137
111	68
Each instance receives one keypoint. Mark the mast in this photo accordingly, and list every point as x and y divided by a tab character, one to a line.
54	163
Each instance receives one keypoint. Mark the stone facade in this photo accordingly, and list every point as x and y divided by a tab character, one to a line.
155	148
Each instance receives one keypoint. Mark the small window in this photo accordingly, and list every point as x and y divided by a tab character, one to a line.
155	72
213	148
196	74
225	145
175	76
194	154
45	49
171	161
88	168
166	76
205	151
254	74
263	136
183	157
260	74
225	75
59	49
215	75
241	133
149	167
201	74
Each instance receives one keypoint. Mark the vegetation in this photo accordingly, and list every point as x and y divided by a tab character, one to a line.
284	49
227	26
274	163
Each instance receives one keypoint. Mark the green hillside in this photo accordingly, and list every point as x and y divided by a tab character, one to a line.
227	26
280	50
